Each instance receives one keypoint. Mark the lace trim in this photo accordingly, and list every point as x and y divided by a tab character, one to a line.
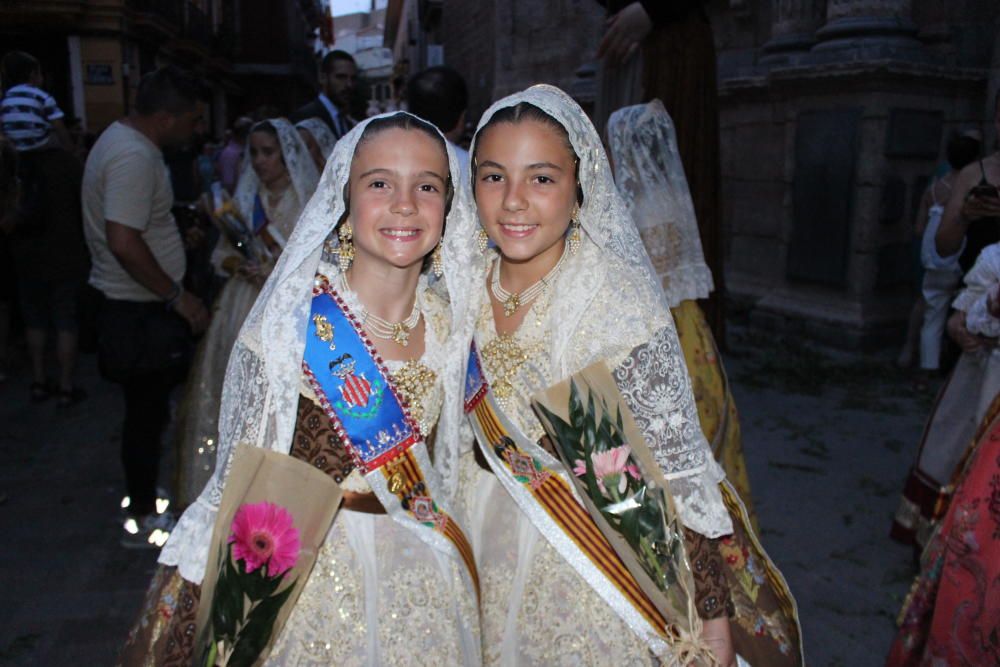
979	321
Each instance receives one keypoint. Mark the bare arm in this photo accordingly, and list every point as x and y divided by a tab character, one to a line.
132	252
952	230
920	223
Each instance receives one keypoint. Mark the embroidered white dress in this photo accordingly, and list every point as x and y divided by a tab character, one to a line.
535	608
378	595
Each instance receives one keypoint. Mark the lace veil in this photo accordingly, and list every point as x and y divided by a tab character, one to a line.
321	133
651	179
301	168
634	310
260	396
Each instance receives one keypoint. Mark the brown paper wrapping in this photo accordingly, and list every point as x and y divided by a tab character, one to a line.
312	498
597	380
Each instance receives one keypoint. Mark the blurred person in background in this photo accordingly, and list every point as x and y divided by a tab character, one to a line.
8	294
146	316
940	275
277	181
338	76
666	51
230	158
50	259
29	116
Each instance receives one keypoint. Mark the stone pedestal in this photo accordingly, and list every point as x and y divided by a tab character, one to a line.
868	30
793	30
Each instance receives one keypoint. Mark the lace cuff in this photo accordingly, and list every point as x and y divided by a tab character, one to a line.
654	383
978	319
187	548
699	502
687	283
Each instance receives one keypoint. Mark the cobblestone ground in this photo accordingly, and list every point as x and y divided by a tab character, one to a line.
828	439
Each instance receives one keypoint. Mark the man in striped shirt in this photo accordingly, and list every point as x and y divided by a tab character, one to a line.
28	115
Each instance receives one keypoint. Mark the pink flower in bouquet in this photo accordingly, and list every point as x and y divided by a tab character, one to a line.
610	465
265	534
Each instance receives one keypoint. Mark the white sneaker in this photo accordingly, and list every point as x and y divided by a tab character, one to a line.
147	532
162	502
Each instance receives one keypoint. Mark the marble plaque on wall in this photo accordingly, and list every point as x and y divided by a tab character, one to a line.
822	191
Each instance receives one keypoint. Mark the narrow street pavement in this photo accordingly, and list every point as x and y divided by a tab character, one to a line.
828	438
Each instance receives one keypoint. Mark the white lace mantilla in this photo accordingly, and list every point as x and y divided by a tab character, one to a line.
321	133
651	179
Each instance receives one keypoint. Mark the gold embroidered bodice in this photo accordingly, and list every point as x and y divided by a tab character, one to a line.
517	364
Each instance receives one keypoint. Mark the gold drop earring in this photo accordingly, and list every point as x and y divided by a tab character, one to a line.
574	230
345	253
482	240
437	264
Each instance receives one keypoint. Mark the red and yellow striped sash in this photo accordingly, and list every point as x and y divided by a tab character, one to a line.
405	479
554	495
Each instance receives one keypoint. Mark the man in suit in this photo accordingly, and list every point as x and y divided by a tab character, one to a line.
337	77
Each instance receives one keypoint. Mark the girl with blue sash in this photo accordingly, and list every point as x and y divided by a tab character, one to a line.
567	284
277	180
348	361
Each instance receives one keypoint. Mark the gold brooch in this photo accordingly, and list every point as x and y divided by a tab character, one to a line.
324	330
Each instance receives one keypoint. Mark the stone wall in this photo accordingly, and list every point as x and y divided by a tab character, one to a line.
833	115
503	47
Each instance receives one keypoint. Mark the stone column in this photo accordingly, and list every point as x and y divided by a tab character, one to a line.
793	29
866	29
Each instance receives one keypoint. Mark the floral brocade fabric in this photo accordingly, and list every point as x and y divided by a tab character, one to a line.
952	615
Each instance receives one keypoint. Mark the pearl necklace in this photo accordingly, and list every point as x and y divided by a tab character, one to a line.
399	332
512	301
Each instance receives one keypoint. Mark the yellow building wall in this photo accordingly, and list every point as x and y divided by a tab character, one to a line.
104	102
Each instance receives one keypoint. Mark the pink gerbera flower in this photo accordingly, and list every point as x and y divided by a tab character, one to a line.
265	534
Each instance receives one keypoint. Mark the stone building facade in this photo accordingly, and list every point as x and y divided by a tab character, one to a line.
834	113
503	47
93	52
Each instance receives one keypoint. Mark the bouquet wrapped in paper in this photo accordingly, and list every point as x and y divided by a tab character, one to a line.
591	430
275	513
256	246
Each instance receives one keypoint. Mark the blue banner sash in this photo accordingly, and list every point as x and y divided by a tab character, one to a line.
356	392
475	381
353	386
259	220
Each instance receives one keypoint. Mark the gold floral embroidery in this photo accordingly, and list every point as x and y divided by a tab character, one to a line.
503	357
414	382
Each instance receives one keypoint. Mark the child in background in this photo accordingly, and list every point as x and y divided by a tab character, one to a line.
29	116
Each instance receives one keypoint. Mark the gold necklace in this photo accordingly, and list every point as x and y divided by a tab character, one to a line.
513	300
399	332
